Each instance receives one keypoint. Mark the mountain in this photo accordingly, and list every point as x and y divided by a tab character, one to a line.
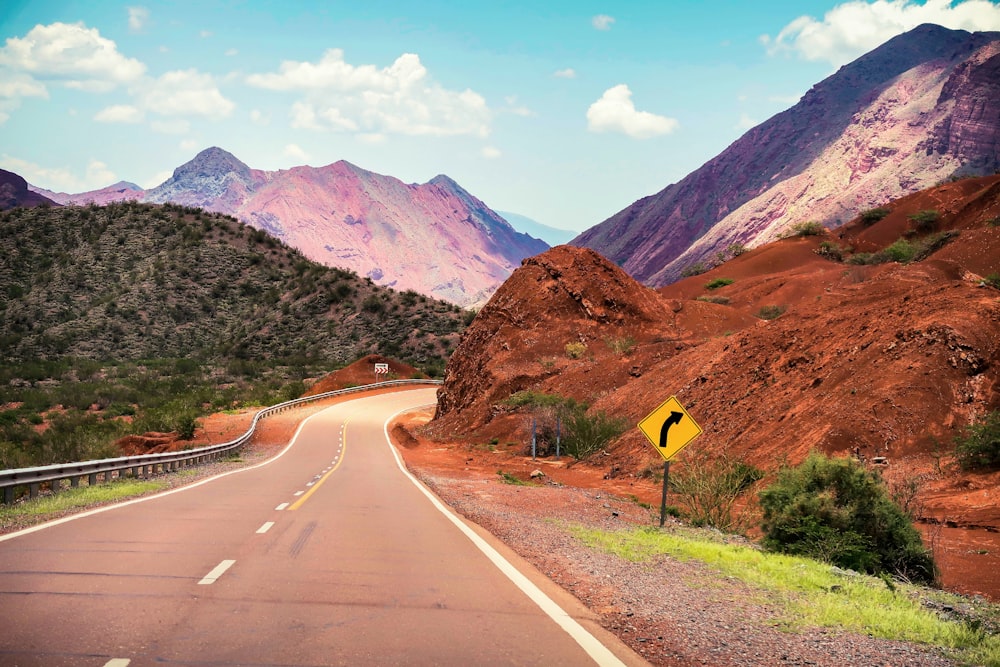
434	238
916	111
550	235
813	342
120	191
130	281
14	191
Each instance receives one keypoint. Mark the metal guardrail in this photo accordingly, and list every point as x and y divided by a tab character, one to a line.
149	464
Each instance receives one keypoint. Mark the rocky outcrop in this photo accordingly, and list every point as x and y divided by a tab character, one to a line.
120	191
913	112
14	192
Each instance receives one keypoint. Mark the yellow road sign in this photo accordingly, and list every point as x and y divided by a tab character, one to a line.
669	428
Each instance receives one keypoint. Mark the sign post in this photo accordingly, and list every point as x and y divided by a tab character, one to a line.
669	429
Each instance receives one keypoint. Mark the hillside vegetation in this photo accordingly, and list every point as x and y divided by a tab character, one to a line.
131	317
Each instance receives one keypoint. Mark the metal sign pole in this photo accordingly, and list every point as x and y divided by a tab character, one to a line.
533	440
663	502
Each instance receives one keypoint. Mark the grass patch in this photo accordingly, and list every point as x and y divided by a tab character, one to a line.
508	478
718	282
807	593
50	506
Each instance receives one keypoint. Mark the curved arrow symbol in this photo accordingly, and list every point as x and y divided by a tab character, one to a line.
674	418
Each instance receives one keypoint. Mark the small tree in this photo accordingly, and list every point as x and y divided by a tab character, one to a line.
979	447
835	510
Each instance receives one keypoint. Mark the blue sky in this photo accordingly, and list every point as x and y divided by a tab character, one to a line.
565	112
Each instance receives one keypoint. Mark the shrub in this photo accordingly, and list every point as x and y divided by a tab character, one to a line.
901	251
736	249
873	215
770	312
575	349
810	228
830	251
718	282
585	434
993	280
695	269
924	221
621	345
723	300
979	446
835	510
709	487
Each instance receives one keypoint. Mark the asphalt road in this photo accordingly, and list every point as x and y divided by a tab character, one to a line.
329	554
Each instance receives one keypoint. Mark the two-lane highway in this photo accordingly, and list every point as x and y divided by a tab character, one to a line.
329	554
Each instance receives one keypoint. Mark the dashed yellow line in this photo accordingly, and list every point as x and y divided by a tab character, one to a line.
343	452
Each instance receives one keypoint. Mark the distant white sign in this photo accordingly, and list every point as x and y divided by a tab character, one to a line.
381	369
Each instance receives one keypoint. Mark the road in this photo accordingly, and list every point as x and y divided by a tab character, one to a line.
329	554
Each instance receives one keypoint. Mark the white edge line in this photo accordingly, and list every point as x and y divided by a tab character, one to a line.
219	570
266	527
107	508
281	507
118	662
594	648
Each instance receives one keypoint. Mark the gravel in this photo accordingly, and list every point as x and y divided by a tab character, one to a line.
668	611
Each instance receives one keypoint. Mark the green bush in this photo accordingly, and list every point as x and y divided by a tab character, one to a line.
770	312
979	446
873	215
835	510
924	221
718	282
901	251
585	434
575	350
810	228
723	300
695	269
830	251
621	345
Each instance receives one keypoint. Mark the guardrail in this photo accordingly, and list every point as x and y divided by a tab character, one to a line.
149	464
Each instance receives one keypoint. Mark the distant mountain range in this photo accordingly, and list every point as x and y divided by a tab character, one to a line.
434	238
916	111
550	235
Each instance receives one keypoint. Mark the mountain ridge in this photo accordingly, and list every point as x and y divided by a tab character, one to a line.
833	154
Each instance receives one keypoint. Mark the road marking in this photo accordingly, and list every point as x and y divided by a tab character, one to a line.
310	483
600	653
213	576
322	478
281	507
117	662
266	527
298	493
182	489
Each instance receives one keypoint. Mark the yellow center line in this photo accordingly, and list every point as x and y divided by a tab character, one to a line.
343	452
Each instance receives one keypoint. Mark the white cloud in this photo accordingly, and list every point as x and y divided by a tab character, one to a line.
119	113
258	117
15	85
188	145
858	26
60	179
513	106
745	122
205	34
295	152
71	53
615	112
138	17
186	93
232	52
159	178
398	99
568	73
602	22
491	152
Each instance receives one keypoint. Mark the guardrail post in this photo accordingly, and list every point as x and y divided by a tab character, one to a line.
92	479
8	495
74	481
33	491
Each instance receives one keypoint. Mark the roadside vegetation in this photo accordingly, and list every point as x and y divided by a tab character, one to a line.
802	592
581	431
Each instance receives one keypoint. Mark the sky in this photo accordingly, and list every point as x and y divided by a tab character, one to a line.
562	111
